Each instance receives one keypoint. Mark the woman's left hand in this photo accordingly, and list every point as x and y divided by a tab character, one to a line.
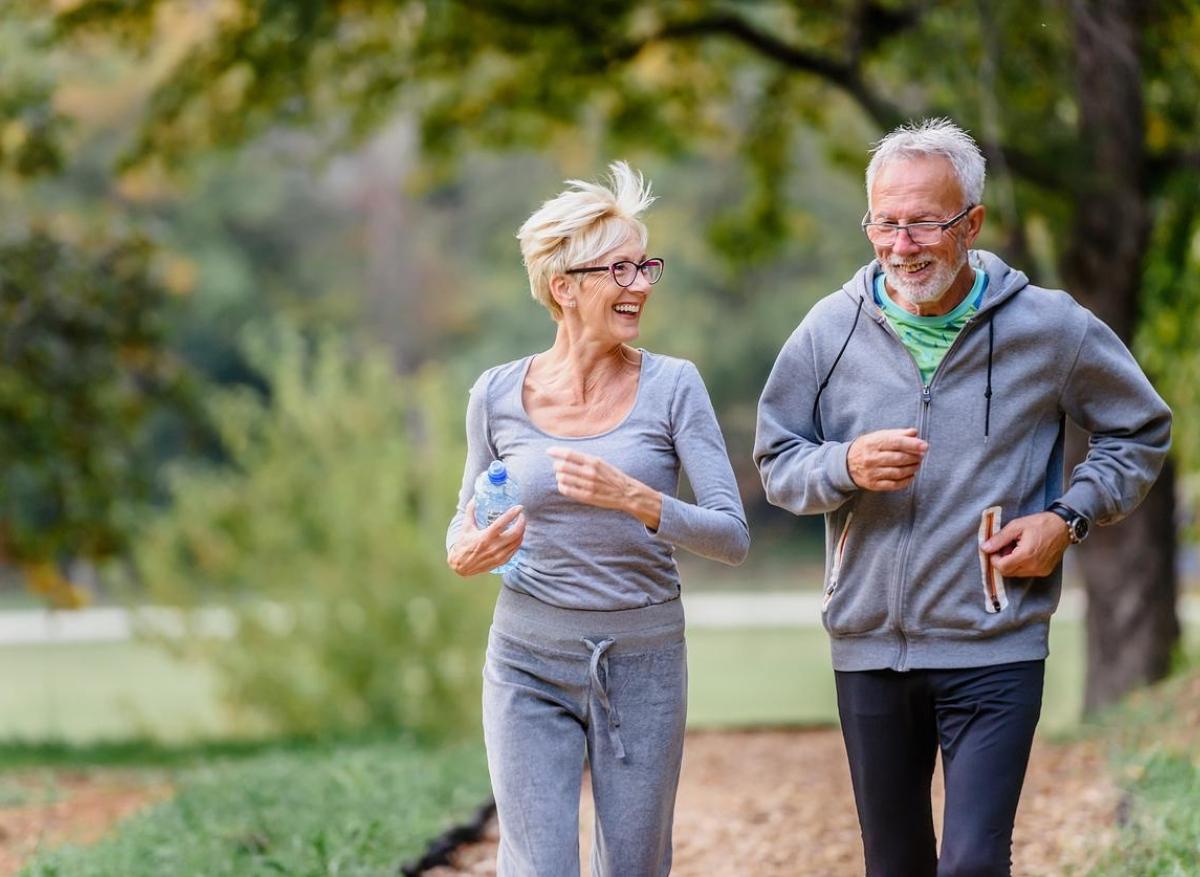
592	481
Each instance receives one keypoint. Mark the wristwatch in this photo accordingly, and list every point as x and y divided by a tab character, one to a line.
1077	524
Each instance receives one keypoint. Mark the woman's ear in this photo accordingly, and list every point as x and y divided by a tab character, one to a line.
563	291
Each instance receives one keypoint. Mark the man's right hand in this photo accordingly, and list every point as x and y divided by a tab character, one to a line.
477	551
885	460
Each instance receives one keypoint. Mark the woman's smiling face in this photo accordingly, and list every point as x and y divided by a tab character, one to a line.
605	309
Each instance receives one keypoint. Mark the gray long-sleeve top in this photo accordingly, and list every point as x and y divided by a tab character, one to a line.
582	557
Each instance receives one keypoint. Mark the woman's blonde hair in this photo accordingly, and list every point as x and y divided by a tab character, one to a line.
580	224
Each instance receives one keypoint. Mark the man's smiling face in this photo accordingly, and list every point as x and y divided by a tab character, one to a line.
921	189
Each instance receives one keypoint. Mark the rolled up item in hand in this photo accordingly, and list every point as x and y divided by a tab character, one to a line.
994	596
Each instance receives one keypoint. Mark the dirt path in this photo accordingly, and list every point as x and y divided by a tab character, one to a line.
778	804
64	808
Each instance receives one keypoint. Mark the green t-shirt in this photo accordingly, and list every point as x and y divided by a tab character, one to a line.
928	338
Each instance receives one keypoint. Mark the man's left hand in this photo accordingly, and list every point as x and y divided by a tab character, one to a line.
1031	546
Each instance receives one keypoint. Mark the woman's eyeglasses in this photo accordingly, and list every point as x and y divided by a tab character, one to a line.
624	273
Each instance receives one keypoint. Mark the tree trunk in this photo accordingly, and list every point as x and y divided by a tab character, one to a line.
1132	626
1129	570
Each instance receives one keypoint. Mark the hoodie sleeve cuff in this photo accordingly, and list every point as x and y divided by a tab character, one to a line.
1082	498
839	464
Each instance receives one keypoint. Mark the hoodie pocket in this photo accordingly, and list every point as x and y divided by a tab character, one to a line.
835	570
855	600
995	596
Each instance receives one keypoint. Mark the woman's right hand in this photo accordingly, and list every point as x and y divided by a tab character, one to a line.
477	550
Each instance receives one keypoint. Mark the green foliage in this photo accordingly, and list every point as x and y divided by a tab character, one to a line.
261	236
738	82
1162	835
675	76
84	378
297	62
31	133
1156	736
324	534
352	810
1168	342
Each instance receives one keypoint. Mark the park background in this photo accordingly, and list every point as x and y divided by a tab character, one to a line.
253	253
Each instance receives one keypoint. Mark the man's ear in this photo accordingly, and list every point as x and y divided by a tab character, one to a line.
974	222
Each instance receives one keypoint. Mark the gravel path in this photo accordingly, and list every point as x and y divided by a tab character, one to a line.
778	804
66	807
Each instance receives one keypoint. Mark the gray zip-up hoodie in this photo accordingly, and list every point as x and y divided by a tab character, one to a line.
904	584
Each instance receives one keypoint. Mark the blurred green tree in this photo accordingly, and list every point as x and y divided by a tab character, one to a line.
324	535
85	380
32	131
1087	111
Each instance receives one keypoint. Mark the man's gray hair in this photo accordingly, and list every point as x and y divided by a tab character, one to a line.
933	137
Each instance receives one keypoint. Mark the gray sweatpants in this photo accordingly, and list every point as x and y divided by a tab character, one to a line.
560	685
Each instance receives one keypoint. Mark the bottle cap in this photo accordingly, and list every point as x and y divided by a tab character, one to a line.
497	474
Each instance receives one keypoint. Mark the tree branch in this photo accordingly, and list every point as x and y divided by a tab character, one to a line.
874	23
843	74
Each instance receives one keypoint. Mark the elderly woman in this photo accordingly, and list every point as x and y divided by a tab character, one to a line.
586	656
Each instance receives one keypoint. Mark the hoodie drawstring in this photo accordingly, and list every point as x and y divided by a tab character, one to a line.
987	393
816	410
600	689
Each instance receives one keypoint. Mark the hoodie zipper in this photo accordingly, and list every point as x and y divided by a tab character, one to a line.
922	430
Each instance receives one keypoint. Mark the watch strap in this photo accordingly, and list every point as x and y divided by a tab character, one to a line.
1077	524
1064	512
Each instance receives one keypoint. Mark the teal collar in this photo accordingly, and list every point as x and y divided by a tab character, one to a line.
965	308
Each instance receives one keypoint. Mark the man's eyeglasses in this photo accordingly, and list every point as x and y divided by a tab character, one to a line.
625	273
924	234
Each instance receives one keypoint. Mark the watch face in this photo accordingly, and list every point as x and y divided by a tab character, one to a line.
1079	528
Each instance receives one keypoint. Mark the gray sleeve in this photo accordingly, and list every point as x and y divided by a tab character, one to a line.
480	452
1108	394
715	527
800	472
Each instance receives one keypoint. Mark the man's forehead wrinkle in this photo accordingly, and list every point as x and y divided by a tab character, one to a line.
915	195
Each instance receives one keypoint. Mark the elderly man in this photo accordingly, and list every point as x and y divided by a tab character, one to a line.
921	409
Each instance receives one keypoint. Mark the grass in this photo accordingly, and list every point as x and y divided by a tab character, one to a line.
347	809
1162	835
770	572
782	676
1155	736
364	806
81	692
36	788
89	692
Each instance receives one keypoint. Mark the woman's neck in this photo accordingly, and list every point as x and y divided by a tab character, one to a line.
580	365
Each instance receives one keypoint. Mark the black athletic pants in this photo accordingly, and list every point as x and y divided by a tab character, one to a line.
983	719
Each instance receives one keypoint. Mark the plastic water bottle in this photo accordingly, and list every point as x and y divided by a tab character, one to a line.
495	493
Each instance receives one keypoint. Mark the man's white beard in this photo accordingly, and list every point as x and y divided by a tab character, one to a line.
919	292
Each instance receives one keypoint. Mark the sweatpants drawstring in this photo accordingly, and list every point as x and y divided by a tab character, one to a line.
600	689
